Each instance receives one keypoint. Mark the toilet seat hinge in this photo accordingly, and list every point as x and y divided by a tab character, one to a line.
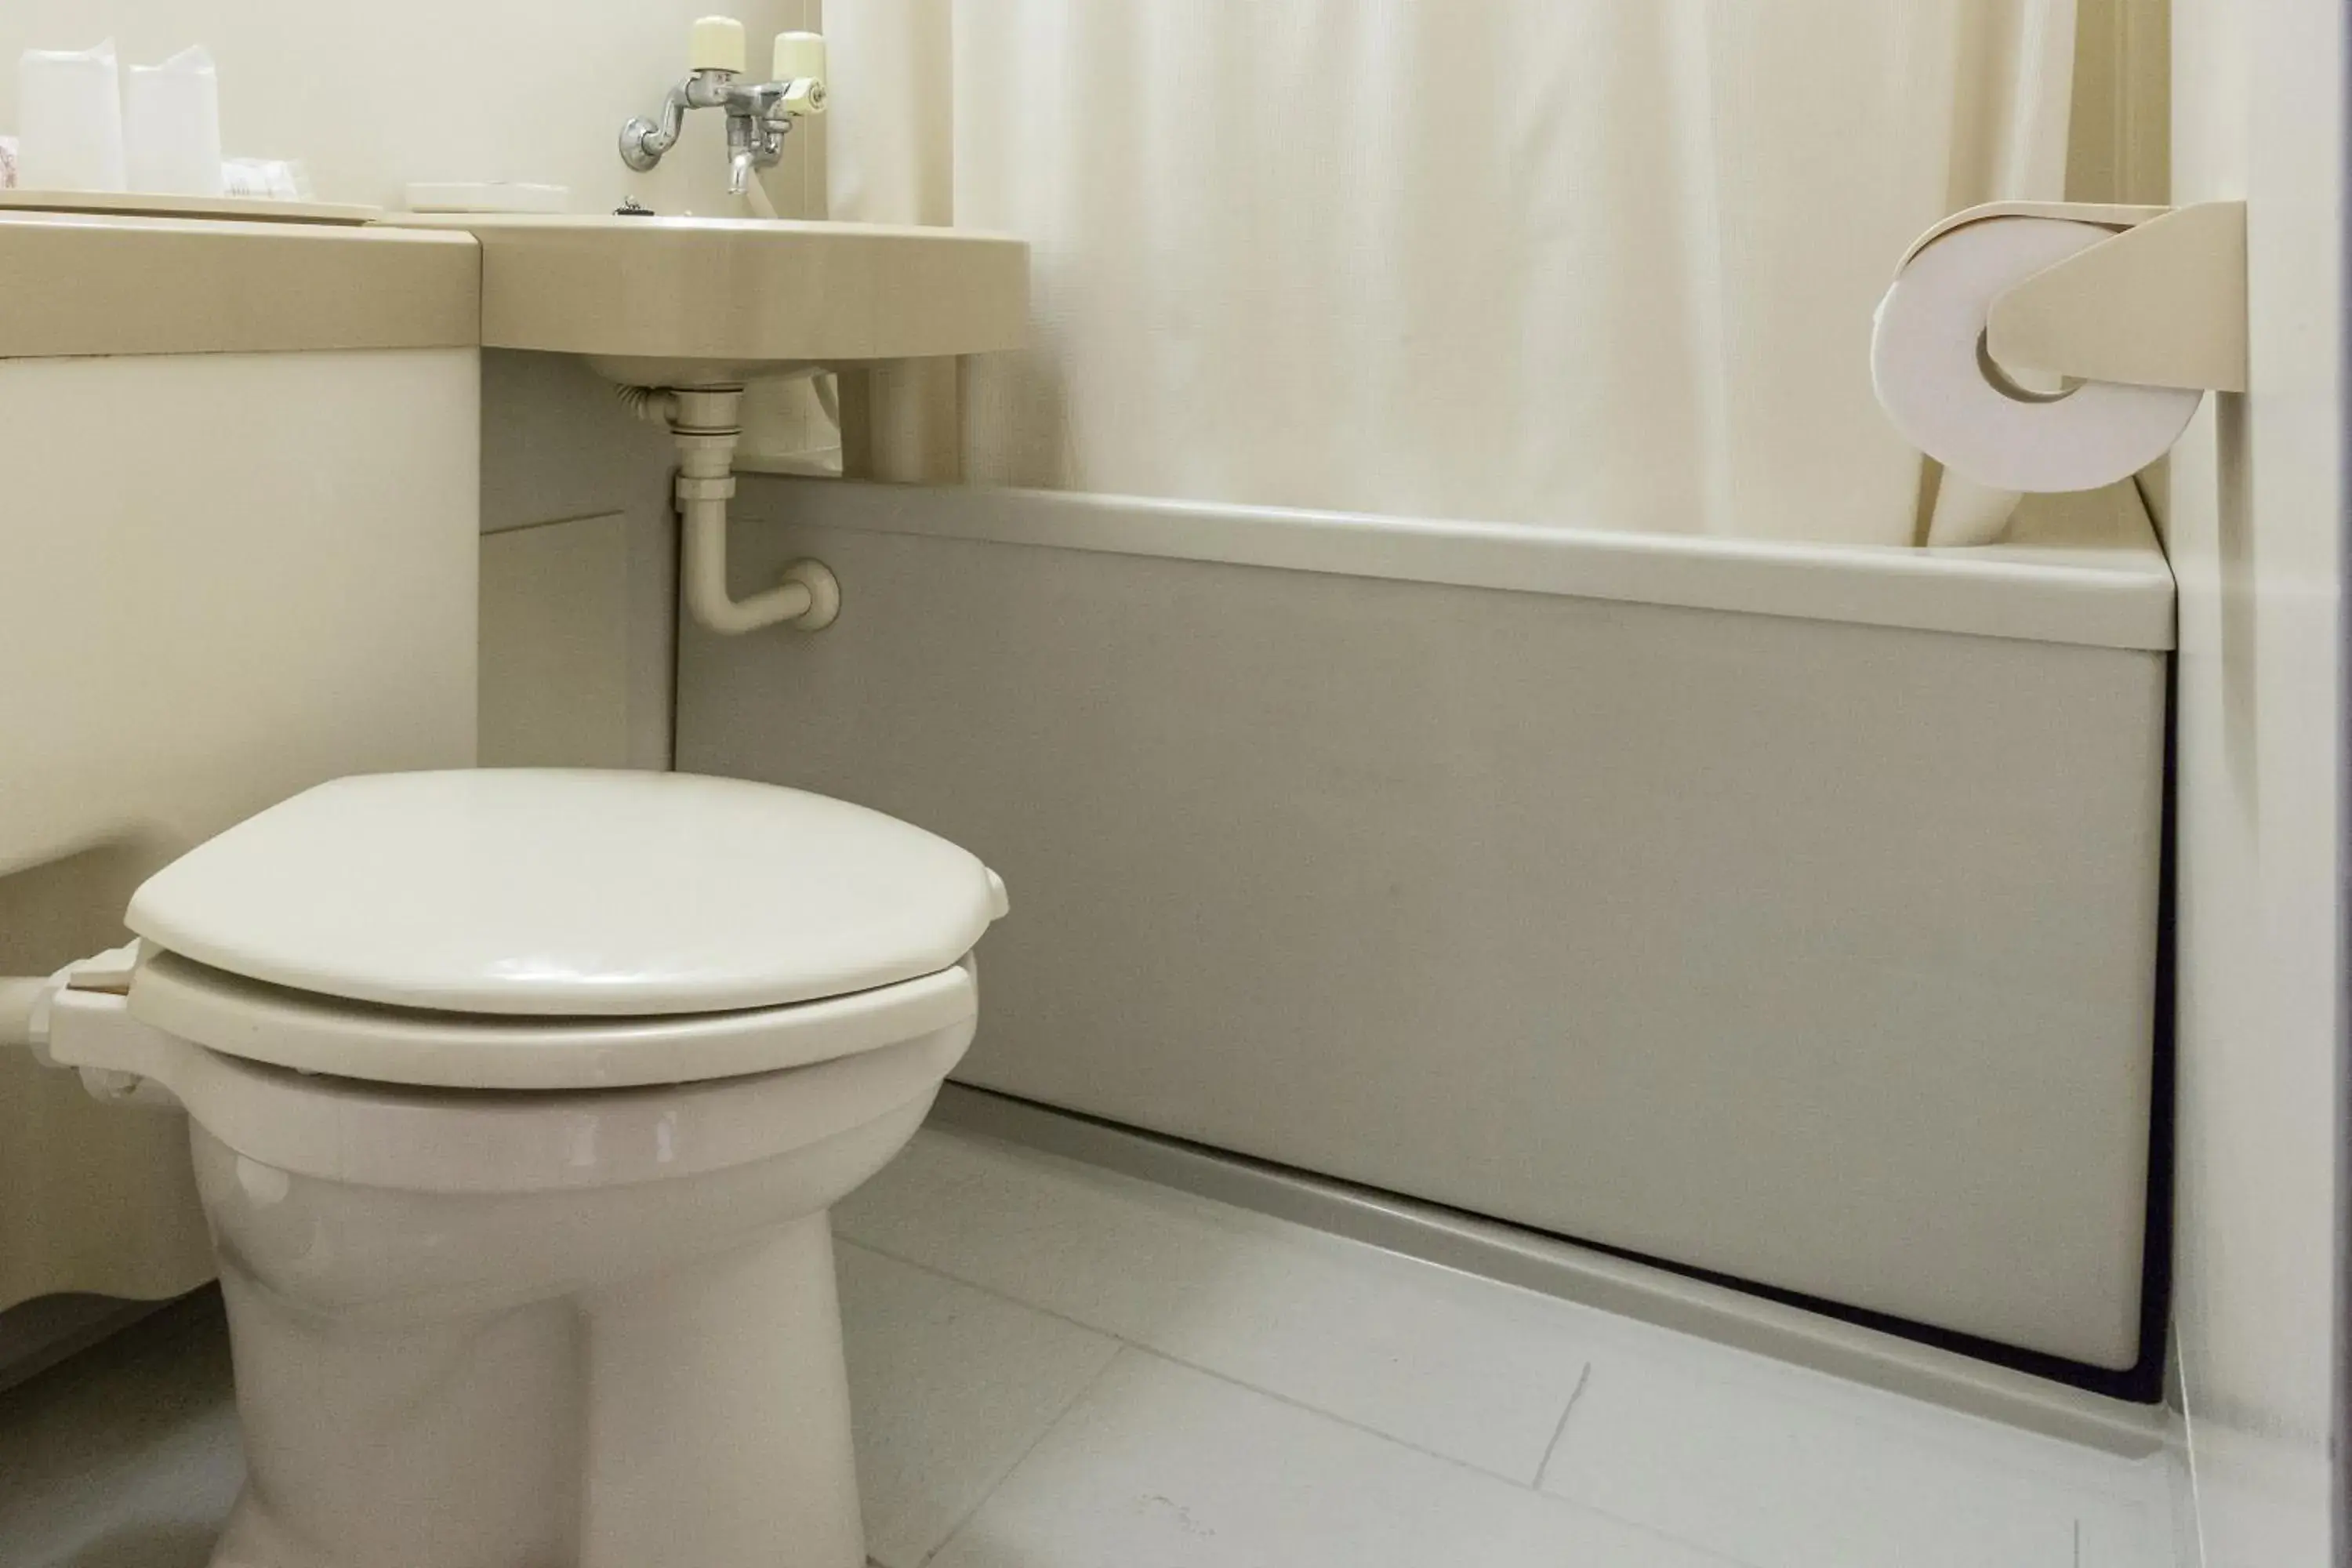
87	1026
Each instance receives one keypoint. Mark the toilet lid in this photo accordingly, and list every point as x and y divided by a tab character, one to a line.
575	894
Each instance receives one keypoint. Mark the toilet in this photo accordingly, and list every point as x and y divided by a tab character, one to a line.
518	1100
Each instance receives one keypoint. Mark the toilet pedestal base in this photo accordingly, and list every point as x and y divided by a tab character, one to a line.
711	1427
370	1442
718	1421
539	1371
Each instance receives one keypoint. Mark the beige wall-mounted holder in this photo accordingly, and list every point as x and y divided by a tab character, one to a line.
2163	303
2056	346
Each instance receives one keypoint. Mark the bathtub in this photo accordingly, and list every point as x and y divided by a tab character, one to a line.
1788	913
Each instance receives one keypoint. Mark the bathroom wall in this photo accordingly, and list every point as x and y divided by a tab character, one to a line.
2119	139
2255	535
373	96
370	97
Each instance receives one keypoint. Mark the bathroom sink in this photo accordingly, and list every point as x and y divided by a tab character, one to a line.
682	301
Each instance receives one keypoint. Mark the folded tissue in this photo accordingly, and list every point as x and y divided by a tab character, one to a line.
69	121
172	126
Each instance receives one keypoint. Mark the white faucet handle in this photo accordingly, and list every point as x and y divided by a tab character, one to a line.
717	44
800	60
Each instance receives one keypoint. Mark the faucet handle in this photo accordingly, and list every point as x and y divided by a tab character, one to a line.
716	45
799	64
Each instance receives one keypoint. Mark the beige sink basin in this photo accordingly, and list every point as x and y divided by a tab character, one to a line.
682	301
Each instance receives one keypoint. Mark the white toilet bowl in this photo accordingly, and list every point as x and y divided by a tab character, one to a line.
548	1282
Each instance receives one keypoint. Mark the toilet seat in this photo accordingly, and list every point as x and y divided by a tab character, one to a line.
570	893
549	930
470	1322
376	1045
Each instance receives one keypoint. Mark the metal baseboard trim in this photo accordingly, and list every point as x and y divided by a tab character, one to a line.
1537	1262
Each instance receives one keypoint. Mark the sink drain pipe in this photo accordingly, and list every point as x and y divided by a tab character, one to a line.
706	421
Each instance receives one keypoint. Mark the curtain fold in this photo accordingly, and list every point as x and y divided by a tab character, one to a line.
1576	263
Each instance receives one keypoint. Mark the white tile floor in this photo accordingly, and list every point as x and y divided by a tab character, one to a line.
1058	1367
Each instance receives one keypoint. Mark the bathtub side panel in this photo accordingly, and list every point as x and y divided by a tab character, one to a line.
1818	954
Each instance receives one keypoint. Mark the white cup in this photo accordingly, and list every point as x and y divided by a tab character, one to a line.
171	116
69	121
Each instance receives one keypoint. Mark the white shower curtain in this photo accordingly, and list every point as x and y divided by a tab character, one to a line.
1597	263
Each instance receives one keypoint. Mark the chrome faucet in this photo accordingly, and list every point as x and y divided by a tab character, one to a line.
760	115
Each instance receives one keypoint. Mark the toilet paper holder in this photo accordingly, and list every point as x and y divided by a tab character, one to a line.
2162	303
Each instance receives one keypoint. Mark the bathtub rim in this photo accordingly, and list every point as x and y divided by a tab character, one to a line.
2085	569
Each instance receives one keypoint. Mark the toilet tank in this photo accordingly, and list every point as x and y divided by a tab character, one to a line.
239	545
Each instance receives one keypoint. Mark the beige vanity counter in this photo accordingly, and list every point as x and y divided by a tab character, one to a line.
77	283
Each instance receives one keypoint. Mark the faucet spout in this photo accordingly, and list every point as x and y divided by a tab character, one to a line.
644	141
756	129
760	115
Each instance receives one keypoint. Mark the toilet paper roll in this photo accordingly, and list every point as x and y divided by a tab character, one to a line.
170	126
1947	397
69	120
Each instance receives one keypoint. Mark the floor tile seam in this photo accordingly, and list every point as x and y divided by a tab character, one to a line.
1560	1428
1597	1329
2068	1474
993	1291
1062	1414
1351	1422
1641	1526
1225	1377
1544	1478
1009	1126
